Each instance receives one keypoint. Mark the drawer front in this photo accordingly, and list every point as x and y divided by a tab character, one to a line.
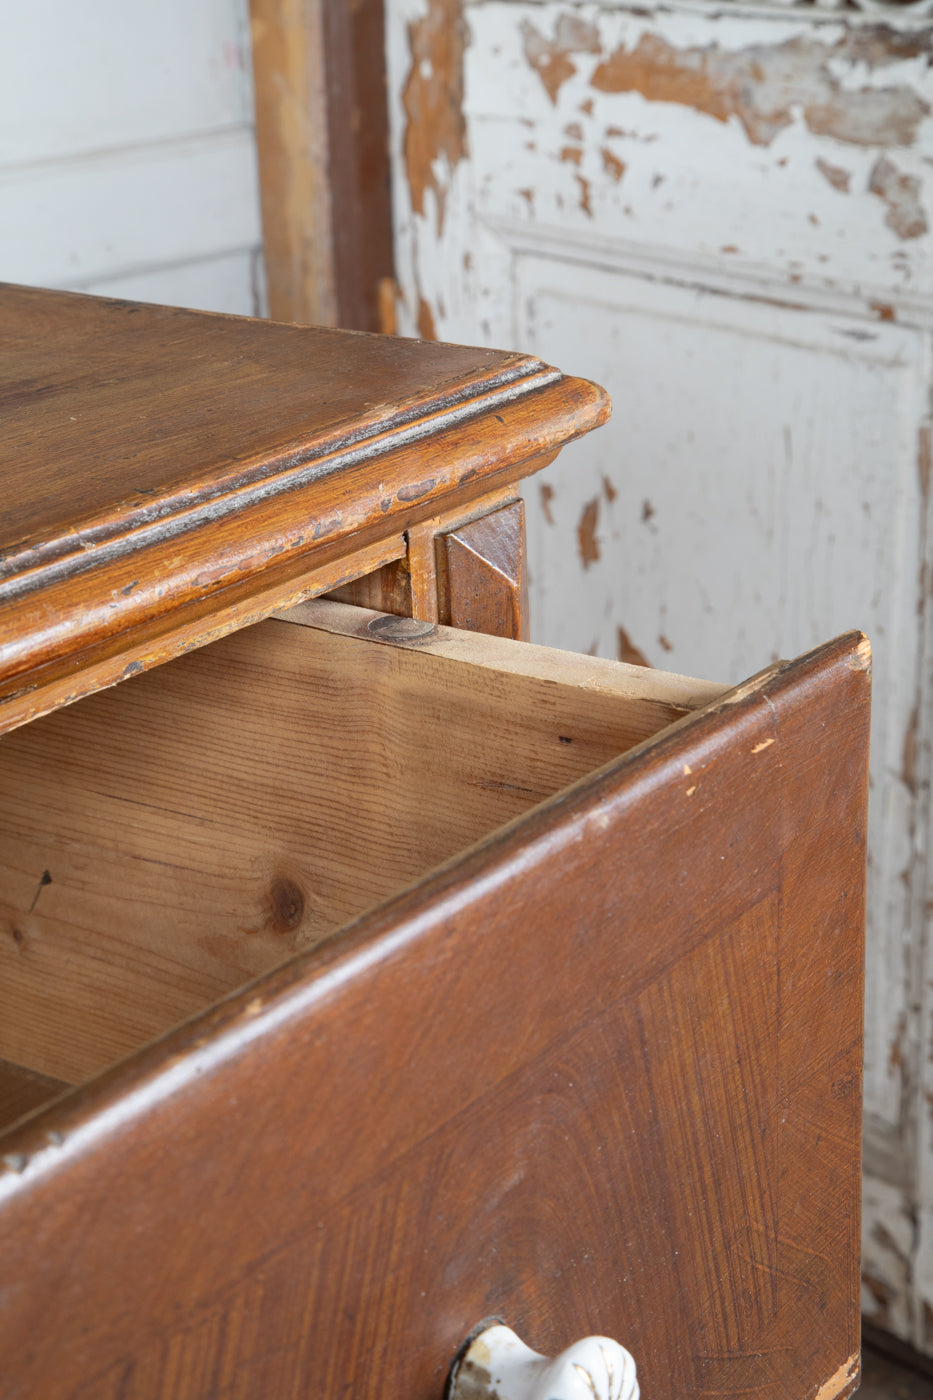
599	1074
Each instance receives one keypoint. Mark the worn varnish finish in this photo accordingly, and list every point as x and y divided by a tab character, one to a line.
483	575
161	468
492	577
608	1064
724	213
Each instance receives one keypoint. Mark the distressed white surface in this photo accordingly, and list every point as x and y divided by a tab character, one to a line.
734	526
766	339
106	73
499	1366
889	1238
692	184
127	151
141	207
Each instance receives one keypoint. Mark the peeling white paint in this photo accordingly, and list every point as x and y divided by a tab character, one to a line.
888	1247
749	271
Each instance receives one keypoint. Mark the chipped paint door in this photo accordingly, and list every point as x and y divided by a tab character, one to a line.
722	214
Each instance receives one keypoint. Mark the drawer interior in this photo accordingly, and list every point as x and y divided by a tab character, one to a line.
165	841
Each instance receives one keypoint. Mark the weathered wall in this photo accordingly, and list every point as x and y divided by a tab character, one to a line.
724	215
127	153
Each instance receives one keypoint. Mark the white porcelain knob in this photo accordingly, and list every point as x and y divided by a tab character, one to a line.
498	1366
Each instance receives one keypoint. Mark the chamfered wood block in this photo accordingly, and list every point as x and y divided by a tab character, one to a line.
483	574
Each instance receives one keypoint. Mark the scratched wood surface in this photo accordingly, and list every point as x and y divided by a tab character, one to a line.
165	841
724	213
160	466
603	1073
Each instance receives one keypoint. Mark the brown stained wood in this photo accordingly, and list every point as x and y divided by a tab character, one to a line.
544	972
22	1090
600	1075
169	401
201	823
292	128
422	566
322	141
425	560
159	466
483	575
387	297
358	132
386	590
200	626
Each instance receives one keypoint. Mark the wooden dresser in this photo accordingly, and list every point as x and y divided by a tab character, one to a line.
367	972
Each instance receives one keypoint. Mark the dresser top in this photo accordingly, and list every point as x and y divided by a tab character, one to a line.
154	459
116	414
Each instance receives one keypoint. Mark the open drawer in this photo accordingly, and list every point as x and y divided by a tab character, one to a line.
411	977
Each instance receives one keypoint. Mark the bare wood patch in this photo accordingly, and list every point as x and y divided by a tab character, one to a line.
613	167
433	102
762	85
837	175
901	193
551	58
628	652
426	327
587	539
842	1381
586	202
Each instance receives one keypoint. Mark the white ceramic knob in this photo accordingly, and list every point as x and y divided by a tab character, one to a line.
498	1366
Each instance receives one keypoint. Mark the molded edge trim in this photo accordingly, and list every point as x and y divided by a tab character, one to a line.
65	555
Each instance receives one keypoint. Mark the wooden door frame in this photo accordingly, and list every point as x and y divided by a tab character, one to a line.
322	141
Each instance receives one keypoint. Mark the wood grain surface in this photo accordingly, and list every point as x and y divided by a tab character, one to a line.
323	147
163	842
53	685
602	1074
387	589
417	585
360	189
482	573
22	1090
289	51
161	465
